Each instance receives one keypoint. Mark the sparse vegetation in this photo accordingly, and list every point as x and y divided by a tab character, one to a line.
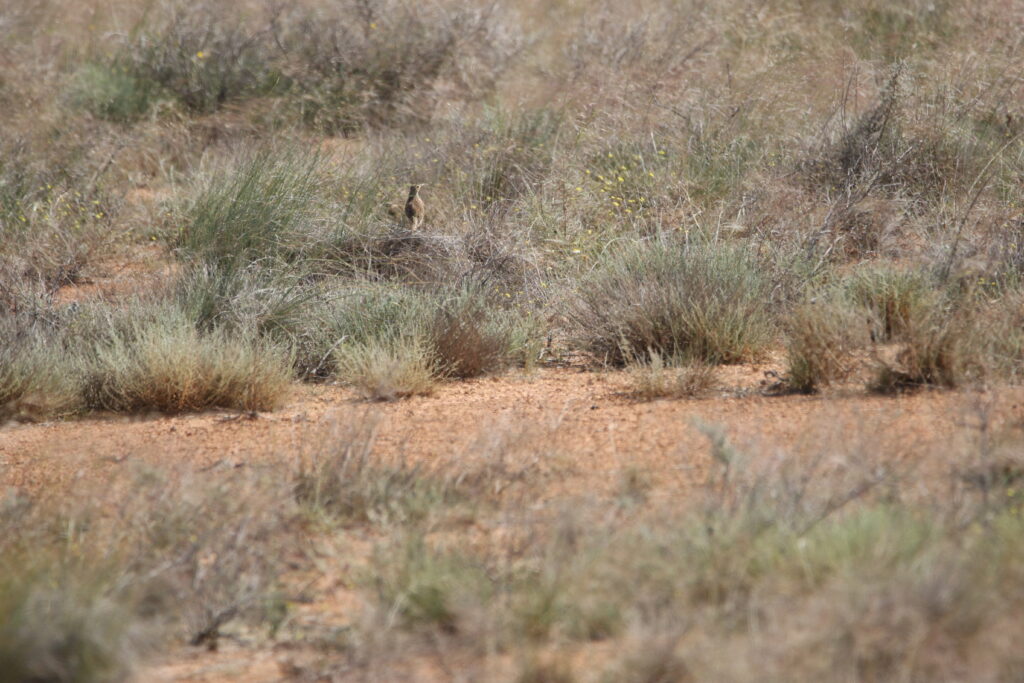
196	213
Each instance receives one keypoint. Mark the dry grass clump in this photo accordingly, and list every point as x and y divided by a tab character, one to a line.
33	376
915	333
343	475
655	378
821	337
393	342
938	349
701	302
388	368
893	297
161	362
469	334
341	481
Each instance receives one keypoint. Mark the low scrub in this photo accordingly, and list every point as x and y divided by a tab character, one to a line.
702	302
92	580
385	63
202	55
842	541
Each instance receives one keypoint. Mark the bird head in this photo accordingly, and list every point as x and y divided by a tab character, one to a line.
415	189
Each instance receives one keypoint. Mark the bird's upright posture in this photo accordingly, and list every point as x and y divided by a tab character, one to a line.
414	207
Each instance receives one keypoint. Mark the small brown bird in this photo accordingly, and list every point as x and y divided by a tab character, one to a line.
414	208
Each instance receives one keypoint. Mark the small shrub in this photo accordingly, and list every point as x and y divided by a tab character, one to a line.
110	92
705	302
202	54
387	368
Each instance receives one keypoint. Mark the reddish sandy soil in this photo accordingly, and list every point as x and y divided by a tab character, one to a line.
583	423
593	427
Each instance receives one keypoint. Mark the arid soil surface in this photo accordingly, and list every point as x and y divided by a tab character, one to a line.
585	426
594	427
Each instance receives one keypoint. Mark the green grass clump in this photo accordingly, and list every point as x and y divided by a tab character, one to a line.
254	212
701	302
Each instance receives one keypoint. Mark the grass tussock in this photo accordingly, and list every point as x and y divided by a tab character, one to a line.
163	363
696	302
387	369
251	213
33	377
